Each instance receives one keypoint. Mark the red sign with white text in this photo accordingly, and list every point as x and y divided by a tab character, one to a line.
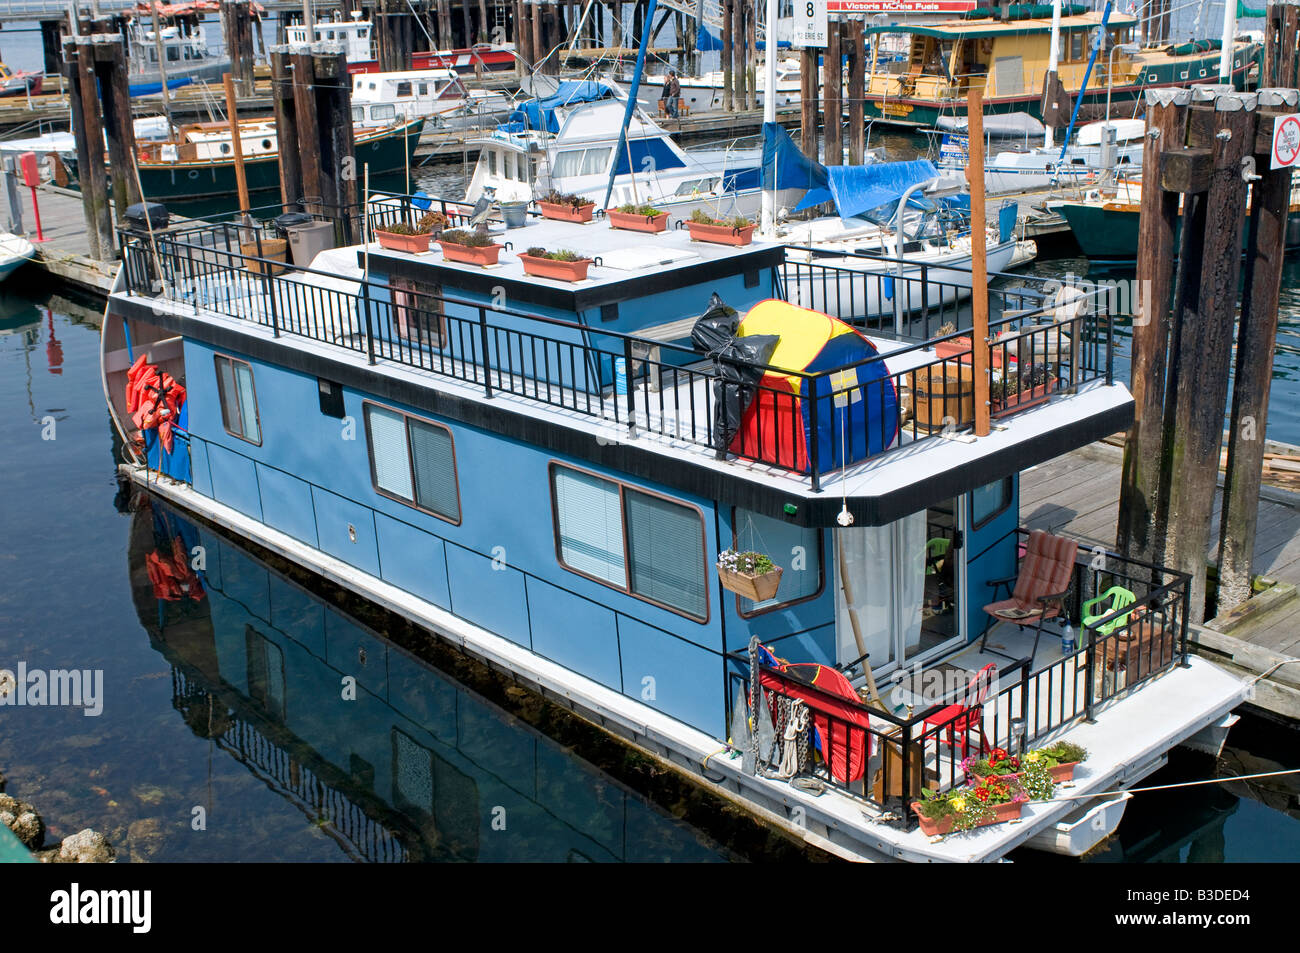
900	6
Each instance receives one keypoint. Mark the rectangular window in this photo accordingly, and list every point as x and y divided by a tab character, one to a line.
1076	45
796	549
424	89
637	542
414	461
989	501
403	89
238	399
492	162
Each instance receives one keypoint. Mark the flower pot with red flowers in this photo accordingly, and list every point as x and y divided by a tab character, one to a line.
991	800
469	248
637	218
412	239
566	208
1022	388
752	575
562	265
1037	771
738	231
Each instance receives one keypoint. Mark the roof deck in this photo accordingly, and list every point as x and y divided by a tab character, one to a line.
648	398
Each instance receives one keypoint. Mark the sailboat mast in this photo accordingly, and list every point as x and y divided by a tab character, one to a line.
766	221
1053	58
1229	34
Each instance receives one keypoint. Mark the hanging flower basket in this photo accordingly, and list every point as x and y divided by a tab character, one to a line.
411	244
721	234
470	254
558	269
566	212
752	575
636	222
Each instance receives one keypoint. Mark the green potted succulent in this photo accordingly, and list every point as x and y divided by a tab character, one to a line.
1021	388
566	208
637	218
731	231
469	248
562	264
749	574
412	239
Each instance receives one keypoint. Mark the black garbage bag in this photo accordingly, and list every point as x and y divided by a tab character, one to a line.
740	366
715	327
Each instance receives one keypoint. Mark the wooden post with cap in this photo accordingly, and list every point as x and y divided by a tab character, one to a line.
978	261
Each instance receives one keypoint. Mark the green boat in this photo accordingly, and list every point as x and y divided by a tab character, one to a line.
192	169
919	73
1106	227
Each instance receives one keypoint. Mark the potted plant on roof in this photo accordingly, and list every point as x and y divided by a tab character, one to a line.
469	248
566	208
412	239
637	218
1022	388
732	231
991	800
1060	759
562	264
749	574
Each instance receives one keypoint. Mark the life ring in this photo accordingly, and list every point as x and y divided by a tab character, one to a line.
1093	195
194	173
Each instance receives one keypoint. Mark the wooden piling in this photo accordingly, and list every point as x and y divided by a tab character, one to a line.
856	65
728	86
236	29
119	126
751	54
286	127
1166	112
1205	346
832	89
91	172
739	54
808	87
1256	337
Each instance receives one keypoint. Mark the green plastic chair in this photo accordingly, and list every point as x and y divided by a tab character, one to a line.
1120	598
935	551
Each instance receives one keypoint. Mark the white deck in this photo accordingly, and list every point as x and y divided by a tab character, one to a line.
1129	738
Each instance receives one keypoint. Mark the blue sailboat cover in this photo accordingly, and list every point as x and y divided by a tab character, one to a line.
540	113
854	189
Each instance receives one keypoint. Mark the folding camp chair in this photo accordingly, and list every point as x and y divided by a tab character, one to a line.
1044	580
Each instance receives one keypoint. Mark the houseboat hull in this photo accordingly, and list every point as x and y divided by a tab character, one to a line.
200	180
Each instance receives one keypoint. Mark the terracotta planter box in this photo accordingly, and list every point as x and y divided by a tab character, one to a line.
1023	399
1062	772
1001	813
411	244
953	348
721	234
470	254
566	213
559	270
755	588
637	223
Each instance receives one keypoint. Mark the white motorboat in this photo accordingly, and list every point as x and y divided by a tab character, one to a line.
14	251
437	95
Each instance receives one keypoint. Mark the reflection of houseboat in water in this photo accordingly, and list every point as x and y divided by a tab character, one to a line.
548	474
415	768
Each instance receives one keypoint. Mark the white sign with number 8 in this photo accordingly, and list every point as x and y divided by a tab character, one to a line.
809	26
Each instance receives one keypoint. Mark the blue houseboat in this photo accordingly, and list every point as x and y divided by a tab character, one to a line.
560	477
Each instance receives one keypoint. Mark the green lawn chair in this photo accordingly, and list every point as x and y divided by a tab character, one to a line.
935	551
1120	598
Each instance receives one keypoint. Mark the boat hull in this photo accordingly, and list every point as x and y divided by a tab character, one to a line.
1111	234
914	111
196	181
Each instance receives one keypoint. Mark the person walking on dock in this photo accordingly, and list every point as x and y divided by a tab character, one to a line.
670	95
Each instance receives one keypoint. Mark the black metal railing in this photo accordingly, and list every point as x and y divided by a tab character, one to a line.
639	385
918	741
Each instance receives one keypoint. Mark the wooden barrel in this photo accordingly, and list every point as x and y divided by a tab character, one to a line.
943	391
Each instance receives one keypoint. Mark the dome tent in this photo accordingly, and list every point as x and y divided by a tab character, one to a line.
856	405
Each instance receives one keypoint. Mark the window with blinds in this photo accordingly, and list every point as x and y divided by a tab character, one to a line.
238	399
796	549
639	543
414	461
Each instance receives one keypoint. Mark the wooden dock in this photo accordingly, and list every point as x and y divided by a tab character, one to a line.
1078	494
65	252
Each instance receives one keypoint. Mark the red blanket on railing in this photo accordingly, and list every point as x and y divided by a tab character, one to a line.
841	726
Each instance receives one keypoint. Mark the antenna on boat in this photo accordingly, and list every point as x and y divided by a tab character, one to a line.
767	219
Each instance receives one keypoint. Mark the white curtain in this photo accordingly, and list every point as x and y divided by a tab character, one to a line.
885	566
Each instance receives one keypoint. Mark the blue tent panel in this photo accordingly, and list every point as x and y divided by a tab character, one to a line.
785	167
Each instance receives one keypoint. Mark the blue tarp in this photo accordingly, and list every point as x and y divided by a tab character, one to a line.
706	42
784	166
856	189
540	113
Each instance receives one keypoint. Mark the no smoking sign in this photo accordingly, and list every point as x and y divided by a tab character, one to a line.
1286	141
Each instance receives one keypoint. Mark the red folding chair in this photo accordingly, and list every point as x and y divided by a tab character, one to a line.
967	716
